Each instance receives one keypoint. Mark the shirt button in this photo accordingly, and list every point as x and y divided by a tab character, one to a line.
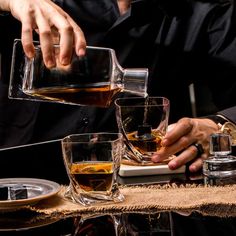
85	121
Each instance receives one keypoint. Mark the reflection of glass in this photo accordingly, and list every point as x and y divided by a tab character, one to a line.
214	181
125	224
97	225
92	162
221	164
143	122
146	224
90	80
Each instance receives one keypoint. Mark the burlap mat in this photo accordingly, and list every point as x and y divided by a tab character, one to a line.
208	200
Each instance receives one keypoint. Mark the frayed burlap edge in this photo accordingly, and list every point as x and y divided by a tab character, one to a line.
207	200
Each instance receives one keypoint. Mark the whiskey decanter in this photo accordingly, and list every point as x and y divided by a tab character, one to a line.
221	164
93	79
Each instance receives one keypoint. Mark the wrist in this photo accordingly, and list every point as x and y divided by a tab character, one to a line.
225	126
219	120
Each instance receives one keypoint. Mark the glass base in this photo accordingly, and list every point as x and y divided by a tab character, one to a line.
87	199
130	159
220	166
216	181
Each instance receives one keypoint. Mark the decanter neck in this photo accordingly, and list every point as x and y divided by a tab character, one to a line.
135	81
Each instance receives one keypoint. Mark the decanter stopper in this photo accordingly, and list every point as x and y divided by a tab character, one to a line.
220	144
220	164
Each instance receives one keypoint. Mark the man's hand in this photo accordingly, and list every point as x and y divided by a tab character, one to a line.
181	138
51	23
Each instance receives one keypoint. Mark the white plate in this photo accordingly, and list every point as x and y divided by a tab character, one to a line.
131	170
37	189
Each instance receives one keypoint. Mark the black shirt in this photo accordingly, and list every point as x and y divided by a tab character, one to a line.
190	42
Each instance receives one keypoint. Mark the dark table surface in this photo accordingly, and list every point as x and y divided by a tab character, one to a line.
123	224
45	161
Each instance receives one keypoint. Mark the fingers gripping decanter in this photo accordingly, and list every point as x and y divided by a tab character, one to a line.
93	79
221	164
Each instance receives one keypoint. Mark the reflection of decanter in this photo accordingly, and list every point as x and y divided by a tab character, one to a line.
93	79
221	164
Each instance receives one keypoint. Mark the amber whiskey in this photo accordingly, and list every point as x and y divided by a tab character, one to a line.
92	176
145	140
96	96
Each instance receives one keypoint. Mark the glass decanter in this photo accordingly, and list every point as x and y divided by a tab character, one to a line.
93	79
221	164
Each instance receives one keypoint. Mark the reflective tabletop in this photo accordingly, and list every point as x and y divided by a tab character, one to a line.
29	162
145	224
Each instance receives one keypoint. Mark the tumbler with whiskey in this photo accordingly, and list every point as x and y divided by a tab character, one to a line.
92	162
143	123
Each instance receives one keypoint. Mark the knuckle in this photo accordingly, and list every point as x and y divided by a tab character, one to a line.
185	120
186	123
67	28
82	43
45	32
184	141
26	28
31	10
193	150
78	31
27	46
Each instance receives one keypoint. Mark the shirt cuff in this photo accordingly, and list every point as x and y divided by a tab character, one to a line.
218	119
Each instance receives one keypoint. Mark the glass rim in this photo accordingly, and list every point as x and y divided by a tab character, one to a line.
67	138
166	101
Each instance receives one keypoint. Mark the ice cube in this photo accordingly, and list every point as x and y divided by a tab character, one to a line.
3	193
18	191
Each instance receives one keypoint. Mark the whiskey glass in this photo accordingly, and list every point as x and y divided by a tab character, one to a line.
92	162
143	123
